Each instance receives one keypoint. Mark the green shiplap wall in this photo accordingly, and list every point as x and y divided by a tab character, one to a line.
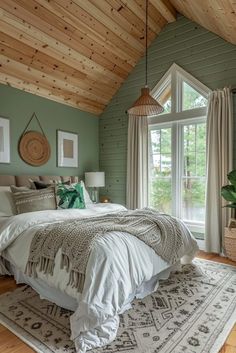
18	106
203	54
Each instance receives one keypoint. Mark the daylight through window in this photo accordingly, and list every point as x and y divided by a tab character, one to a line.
177	150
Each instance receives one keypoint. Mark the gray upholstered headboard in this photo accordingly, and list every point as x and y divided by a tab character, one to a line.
23	180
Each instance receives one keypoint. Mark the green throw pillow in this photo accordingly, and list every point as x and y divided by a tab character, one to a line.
70	196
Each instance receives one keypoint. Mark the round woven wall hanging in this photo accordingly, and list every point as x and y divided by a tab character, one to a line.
34	148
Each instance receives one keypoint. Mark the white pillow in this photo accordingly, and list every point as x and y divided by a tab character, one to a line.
7	206
87	199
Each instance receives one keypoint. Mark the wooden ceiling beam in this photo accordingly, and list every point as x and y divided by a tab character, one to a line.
153	13
166	9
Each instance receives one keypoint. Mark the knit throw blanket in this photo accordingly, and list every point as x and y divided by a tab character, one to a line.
76	239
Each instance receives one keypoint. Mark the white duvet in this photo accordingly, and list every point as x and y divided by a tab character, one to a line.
120	267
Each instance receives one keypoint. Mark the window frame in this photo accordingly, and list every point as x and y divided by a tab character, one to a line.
153	127
177	160
198	226
176	119
176	76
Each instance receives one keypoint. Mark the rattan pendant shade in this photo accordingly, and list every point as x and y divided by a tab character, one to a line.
146	105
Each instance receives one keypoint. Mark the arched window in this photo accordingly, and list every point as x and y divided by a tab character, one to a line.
177	149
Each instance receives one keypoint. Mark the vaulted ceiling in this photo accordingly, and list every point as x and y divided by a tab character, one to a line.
79	52
218	16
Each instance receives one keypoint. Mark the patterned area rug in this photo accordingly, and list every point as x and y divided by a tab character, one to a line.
191	312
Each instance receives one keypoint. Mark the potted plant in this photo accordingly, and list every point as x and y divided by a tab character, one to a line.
228	192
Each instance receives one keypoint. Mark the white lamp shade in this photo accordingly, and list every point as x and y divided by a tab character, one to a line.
95	179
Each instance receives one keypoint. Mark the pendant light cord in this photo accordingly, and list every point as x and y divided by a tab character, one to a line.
146	64
145	105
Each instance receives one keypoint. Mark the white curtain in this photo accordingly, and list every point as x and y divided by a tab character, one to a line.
137	162
219	164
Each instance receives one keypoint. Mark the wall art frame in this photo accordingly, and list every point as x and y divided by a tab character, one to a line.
67	149
5	155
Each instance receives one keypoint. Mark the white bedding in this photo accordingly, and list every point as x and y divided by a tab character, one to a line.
119	268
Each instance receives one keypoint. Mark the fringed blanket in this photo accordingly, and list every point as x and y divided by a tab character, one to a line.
76	239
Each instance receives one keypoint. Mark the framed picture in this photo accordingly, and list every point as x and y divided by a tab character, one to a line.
67	149
4	140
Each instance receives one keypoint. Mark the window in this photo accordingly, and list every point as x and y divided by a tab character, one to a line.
161	169
165	97
193	171
177	149
191	98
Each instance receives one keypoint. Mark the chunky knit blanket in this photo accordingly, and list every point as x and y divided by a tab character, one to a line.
76	239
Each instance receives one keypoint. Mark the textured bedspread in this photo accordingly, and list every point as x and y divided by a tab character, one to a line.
77	237
116	271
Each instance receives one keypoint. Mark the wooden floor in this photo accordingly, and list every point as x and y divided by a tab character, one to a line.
9	343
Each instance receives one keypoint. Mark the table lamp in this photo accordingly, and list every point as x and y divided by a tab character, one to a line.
94	180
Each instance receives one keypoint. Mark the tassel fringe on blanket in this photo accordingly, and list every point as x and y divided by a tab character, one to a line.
76	239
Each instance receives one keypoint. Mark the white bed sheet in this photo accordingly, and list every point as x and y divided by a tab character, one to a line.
120	267
65	301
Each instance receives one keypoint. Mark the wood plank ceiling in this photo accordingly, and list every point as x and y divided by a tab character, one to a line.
78	52
218	16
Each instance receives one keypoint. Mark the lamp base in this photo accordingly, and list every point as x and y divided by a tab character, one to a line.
94	195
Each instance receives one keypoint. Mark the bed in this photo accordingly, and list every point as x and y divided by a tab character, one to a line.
120	268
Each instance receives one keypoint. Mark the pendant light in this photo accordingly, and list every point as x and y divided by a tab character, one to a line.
146	105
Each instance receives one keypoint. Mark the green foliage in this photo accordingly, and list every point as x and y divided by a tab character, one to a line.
161	194
228	192
160	186
193	172
232	177
191	98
